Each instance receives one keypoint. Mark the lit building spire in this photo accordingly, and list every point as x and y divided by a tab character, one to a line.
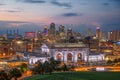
97	32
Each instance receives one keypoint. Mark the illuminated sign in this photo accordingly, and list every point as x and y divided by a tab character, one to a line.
30	34
100	69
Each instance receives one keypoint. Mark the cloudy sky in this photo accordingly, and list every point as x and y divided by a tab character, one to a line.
32	15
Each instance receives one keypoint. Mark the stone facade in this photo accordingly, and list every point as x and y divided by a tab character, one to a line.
70	55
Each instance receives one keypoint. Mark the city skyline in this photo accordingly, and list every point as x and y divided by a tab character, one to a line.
32	15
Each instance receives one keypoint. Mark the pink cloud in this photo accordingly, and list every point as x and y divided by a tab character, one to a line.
96	24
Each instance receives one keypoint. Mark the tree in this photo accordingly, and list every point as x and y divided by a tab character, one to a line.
38	69
4	75
23	67
52	63
109	62
64	67
15	73
47	67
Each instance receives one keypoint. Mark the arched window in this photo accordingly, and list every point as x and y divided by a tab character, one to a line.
59	57
69	57
79	56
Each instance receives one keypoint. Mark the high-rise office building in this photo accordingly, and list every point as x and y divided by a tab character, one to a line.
102	36
52	31
98	32
69	32
61	28
114	35
39	35
52	28
61	31
45	31
89	32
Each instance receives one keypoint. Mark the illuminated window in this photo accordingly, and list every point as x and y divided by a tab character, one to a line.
69	57
79	56
59	56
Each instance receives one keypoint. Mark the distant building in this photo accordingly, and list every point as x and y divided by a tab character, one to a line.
45	32
69	33
89	32
41	55
61	31
29	35
35	57
95	57
13	34
114	35
39	35
52	31
2	38
98	32
52	28
102	36
116	48
61	28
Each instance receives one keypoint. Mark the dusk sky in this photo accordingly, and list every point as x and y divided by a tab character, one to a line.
32	15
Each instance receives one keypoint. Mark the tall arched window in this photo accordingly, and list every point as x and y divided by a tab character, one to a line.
79	57
59	56
69	57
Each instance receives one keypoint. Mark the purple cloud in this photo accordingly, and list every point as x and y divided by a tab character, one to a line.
68	5
71	14
33	1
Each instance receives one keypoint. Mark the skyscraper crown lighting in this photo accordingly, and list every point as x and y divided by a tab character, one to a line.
98	28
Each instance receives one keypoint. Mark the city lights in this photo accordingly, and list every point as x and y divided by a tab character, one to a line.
59	39
19	42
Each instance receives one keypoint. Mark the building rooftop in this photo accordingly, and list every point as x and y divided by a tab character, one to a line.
95	53
35	54
69	45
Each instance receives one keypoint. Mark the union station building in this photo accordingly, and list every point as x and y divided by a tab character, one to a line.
71	53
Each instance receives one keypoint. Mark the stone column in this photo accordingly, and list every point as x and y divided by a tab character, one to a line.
75	56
